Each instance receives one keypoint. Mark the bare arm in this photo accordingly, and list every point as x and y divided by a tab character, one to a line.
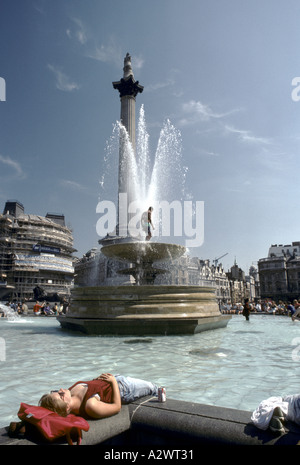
97	409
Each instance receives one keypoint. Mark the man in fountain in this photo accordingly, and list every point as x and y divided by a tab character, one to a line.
147	223
100	398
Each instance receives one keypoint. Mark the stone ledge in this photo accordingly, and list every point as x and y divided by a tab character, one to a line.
142	327
180	423
147	422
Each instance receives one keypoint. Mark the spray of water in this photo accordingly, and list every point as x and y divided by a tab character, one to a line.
150	178
9	313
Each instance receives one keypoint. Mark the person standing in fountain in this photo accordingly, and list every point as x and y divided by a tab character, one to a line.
147	223
246	310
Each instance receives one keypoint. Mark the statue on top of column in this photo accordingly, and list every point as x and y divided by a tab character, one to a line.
127	66
128	86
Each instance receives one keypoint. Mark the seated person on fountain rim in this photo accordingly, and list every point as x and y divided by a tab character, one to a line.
100	398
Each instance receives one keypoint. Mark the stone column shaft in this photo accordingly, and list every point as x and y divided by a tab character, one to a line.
128	116
128	89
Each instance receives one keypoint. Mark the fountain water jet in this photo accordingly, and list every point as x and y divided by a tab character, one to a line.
144	309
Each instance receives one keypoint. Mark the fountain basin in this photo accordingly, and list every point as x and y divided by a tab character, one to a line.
143	310
141	256
141	252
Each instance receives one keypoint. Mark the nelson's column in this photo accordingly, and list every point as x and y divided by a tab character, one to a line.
128	89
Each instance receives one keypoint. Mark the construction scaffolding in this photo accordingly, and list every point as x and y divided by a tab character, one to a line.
35	251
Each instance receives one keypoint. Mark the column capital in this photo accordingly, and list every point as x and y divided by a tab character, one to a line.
128	87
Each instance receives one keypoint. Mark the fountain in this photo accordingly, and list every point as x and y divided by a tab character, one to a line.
8	313
144	308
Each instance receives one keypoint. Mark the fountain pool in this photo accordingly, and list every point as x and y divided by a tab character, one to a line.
236	366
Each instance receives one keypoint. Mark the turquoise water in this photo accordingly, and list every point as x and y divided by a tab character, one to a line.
237	366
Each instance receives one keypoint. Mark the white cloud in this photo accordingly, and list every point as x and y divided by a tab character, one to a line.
160	85
79	33
14	165
110	53
63	82
137	62
247	136
209	153
196	111
72	185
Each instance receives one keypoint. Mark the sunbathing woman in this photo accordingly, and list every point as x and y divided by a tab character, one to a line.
100	398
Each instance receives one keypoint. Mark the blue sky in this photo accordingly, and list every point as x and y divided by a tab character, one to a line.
221	71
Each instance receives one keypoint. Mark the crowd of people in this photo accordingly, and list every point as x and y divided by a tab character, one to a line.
44	308
291	309
40	308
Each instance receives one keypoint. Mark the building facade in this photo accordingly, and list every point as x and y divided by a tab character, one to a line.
279	273
35	253
243	286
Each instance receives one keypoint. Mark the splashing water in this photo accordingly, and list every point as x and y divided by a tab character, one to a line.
9	313
168	175
146	180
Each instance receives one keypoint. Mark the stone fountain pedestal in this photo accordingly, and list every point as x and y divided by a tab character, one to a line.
144	309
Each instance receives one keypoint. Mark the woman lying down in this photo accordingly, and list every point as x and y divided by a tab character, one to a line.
100	398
